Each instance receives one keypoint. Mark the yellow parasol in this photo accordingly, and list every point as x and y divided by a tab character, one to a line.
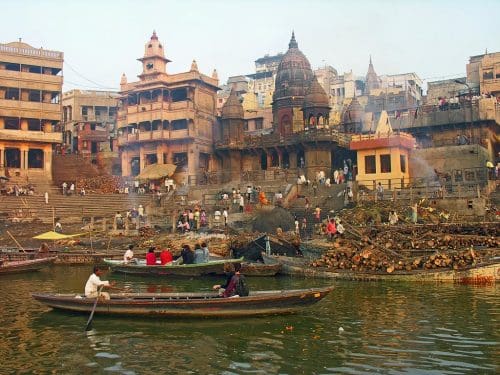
489	164
51	235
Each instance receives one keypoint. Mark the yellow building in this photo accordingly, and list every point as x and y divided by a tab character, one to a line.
30	109
483	73
167	118
383	156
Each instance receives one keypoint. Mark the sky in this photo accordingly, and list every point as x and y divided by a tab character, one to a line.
103	39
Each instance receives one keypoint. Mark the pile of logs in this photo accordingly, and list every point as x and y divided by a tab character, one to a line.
370	259
100	184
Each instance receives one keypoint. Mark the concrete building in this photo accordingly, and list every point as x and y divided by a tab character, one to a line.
483	73
447	88
167	118
262	81
89	121
30	108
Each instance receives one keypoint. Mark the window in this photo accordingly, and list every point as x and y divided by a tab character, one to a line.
385	163
245	126
258	123
85	111
402	161
179	124
458	175
370	164
488	74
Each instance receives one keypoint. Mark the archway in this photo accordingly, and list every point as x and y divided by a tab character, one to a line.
301	159
135	166
285	160
13	158
263	161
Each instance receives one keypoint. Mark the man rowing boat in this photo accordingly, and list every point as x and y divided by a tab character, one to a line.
94	284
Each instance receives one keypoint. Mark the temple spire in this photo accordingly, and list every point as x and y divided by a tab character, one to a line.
293	42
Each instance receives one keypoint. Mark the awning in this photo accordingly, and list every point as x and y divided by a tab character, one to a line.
157	171
56	236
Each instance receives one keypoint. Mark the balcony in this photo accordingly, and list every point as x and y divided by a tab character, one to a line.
156	135
30	136
20	108
33	78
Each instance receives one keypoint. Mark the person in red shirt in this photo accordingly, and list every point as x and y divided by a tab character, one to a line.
151	257
331	229
166	256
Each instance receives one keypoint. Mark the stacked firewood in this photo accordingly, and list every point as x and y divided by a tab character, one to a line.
100	184
344	257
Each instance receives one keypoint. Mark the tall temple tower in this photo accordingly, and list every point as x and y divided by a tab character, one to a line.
293	78
372	80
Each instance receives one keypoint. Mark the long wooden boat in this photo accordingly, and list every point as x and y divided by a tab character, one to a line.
189	304
260	269
485	273
8	267
213	267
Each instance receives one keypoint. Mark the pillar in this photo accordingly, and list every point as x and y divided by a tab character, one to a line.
159	154
293	159
24	124
47	161
47	127
193	159
24	157
2	154
2	123
142	159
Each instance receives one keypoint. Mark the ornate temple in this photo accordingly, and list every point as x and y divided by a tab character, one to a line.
300	136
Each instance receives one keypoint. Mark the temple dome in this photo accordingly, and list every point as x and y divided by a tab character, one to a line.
232	108
294	73
316	96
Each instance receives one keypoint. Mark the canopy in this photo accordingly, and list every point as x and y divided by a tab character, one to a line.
156	171
56	236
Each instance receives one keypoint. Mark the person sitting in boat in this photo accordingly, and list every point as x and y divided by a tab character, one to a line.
229	271
206	253
151	257
237	286
187	255
166	257
129	254
94	283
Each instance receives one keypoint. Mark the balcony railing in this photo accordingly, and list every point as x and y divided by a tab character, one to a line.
30	136
156	135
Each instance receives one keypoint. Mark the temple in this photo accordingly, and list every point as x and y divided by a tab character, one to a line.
166	118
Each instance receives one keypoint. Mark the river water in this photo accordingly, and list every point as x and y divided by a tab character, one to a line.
389	328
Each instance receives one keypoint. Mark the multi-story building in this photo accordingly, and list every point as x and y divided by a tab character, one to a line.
446	88
262	81
166	118
483	73
30	109
89	121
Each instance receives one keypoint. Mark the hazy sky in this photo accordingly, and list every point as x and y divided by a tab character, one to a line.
102	39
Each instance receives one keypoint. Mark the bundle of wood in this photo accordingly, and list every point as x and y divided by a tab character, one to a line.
345	256
101	184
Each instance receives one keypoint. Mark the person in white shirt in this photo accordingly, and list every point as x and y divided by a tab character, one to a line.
94	283
46	196
129	254
72	189
225	214
217	217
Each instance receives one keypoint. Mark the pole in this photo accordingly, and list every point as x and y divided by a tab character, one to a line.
17	243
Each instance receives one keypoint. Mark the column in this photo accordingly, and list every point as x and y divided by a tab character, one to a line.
24	124
193	159
2	122
142	159
23	161
159	154
2	153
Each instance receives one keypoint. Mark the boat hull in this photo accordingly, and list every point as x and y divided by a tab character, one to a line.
189	304
26	265
481	274
215	267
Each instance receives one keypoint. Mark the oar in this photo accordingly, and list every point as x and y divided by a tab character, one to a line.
89	322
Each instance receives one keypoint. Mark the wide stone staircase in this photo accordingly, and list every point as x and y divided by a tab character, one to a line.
70	209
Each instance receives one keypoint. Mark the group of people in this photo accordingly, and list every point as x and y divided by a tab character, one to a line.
200	254
191	219
235	284
70	189
20	190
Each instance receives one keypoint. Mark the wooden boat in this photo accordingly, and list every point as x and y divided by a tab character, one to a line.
260	269
189	304
7	267
213	267
485	273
